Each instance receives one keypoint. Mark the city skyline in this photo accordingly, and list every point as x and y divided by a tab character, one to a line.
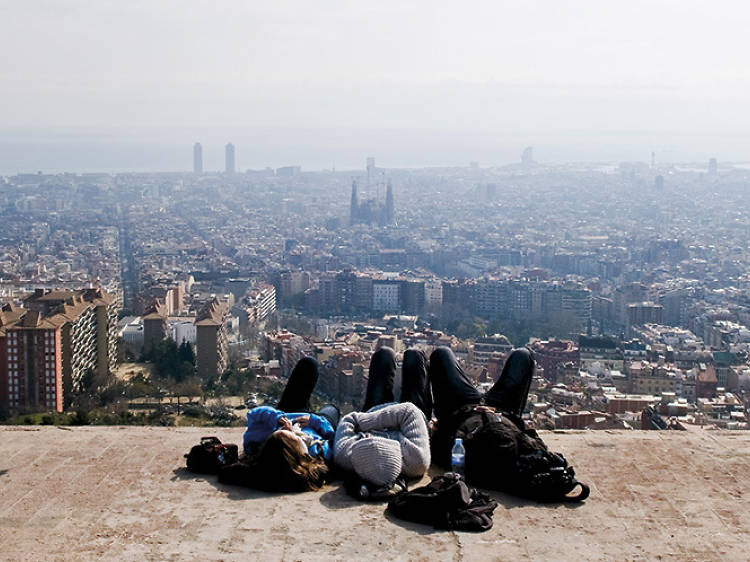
424	84
527	221
108	154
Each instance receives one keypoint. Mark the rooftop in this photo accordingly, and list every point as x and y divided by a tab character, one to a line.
212	314
122	493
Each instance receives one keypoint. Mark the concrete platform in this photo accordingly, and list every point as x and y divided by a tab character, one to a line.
121	494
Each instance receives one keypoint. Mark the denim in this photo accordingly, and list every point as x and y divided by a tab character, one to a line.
380	379
511	390
451	388
300	386
331	413
415	387
415	384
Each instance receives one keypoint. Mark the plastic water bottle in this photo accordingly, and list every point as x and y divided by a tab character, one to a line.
458	457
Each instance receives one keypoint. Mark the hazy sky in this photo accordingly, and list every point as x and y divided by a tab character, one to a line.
188	70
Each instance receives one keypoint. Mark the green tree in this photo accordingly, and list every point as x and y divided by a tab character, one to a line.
165	356
186	353
185	371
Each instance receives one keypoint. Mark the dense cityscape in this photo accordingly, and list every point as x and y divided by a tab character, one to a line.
629	281
313	280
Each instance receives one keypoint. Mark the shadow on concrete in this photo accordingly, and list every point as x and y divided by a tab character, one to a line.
239	493
232	492
338	499
3	472
418	528
510	502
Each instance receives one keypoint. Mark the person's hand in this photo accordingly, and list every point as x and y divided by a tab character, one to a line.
302	421
284	423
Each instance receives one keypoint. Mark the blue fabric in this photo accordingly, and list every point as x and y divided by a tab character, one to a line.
264	420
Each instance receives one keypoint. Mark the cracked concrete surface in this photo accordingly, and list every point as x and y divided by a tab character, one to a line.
121	494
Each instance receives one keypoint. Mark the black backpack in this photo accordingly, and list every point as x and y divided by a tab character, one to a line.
210	455
446	503
501	454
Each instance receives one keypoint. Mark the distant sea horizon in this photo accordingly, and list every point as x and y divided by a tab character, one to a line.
123	151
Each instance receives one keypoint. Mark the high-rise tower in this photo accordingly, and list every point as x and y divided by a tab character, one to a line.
713	167
370	170
389	203
197	158
229	158
527	156
354	205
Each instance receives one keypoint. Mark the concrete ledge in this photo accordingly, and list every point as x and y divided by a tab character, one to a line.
121	493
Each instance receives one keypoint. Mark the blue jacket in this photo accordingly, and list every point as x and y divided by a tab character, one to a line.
264	420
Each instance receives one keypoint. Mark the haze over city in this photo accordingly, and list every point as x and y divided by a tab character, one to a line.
111	86
268	266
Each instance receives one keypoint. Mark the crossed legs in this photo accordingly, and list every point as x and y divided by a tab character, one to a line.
451	388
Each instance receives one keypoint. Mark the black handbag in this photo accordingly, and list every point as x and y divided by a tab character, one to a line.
210	455
446	503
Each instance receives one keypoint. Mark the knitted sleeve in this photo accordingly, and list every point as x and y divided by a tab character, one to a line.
346	436
412	433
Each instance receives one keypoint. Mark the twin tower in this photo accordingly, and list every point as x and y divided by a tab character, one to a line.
198	158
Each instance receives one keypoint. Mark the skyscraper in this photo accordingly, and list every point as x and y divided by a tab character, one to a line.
197	158
389	203
370	170
354	205
712	167
527	156
229	158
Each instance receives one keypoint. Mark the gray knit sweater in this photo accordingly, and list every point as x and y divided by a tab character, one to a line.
403	424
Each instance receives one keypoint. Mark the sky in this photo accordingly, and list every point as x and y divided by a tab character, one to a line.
109	85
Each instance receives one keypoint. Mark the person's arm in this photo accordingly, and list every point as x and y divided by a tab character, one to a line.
415	442
261	422
321	426
346	435
413	435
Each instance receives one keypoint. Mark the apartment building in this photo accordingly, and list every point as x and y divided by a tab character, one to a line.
49	344
211	339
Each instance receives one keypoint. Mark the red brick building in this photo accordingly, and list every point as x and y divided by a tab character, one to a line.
705	381
48	346
550	354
